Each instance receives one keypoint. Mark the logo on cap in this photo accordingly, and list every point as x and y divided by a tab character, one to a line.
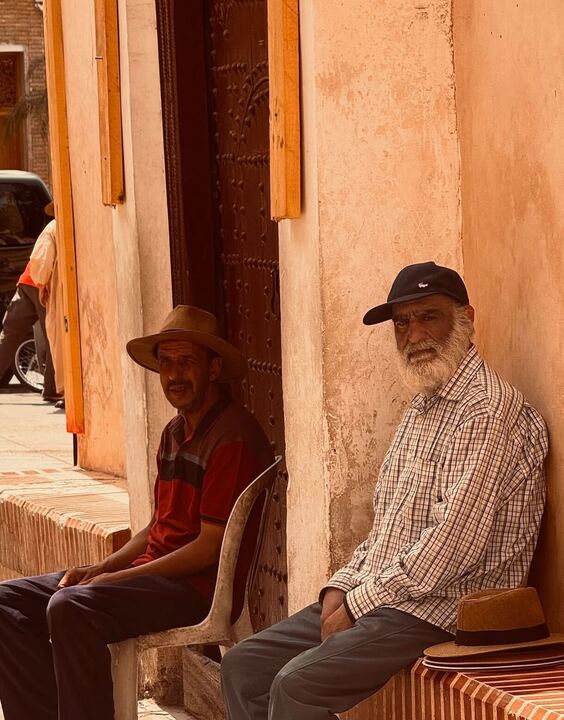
423	285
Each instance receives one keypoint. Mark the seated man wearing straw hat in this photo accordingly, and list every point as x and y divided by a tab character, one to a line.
458	504
54	629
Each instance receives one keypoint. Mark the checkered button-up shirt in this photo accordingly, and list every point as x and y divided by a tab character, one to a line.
458	502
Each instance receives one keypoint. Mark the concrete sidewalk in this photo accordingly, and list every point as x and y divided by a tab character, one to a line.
33	433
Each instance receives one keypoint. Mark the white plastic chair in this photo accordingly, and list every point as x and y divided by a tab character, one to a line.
216	628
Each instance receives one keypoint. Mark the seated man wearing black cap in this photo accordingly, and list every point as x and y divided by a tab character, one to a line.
54	629
458	505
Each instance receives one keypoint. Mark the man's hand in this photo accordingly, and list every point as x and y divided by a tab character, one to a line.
336	622
78	575
332	599
105	577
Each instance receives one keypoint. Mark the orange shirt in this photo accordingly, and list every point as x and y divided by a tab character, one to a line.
25	277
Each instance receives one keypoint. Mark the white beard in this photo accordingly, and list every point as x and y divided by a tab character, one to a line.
427	376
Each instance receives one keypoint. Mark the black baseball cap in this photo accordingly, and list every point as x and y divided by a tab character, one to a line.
418	281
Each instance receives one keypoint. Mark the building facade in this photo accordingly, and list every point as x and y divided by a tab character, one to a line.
429	131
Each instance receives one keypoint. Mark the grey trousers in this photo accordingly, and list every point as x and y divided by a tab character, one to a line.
23	311
286	673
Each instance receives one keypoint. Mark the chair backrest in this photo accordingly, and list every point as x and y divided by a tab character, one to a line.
222	602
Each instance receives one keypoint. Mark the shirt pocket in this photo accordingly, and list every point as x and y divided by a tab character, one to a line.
423	505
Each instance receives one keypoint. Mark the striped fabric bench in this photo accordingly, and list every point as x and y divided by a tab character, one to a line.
424	694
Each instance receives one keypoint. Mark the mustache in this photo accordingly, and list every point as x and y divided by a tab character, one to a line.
174	384
411	348
431	373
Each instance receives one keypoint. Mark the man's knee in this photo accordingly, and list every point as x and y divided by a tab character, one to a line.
288	683
61	607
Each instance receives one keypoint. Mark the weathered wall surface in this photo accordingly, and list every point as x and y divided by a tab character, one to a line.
102	446
123	259
378	105
510	87
140	232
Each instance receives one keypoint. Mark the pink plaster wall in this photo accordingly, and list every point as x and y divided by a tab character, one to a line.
510	90
381	174
388	196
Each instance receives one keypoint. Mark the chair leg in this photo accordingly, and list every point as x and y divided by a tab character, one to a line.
224	648
124	676
243	628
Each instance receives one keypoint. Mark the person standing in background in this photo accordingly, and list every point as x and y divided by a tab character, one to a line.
43	267
24	310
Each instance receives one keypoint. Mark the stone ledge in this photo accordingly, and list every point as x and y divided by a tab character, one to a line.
55	518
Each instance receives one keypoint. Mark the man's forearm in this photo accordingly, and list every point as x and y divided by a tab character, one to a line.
201	553
123	557
187	560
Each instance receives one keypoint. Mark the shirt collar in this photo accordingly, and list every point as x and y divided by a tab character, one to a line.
177	435
209	418
456	386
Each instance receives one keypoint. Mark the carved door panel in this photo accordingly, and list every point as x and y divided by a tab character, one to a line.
246	242
224	249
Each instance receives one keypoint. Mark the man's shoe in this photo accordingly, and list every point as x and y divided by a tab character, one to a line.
52	398
60	404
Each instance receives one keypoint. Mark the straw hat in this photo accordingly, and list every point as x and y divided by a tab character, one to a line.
190	323
499	619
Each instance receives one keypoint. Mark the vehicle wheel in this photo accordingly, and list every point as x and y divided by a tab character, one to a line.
27	367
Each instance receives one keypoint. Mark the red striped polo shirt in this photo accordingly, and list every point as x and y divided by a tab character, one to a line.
200	478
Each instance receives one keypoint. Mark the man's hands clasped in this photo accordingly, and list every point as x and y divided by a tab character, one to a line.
334	617
88	575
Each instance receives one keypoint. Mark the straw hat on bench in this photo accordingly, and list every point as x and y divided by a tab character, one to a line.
497	621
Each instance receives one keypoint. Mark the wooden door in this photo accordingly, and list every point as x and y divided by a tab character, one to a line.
247	242
224	248
11	145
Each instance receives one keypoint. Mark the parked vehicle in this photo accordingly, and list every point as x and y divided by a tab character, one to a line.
23	197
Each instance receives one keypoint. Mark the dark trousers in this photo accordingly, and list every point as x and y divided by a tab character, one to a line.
54	659
23	311
287	673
